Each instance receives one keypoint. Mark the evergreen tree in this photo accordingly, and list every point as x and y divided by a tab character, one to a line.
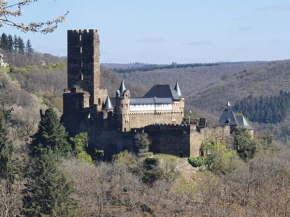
6	149
4	41
28	47
21	45
50	135
48	193
10	43
15	43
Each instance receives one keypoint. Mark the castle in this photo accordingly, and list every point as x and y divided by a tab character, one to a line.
111	123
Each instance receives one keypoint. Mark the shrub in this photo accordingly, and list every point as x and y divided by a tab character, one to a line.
198	161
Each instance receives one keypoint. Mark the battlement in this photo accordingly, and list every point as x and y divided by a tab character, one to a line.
165	127
82	31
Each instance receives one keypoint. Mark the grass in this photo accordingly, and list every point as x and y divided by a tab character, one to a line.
4	70
164	156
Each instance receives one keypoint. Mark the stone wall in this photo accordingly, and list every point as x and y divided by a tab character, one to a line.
139	120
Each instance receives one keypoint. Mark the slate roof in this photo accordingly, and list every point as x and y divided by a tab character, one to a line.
108	105
177	89
122	88
153	100
228	118
162	91
243	122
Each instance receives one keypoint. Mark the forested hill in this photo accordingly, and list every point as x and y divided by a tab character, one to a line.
265	109
20	53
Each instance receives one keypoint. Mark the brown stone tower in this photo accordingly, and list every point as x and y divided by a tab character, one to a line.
83	62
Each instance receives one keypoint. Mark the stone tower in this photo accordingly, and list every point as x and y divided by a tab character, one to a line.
122	108
83	62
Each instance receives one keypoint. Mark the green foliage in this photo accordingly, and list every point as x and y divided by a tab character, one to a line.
21	45
99	154
28	47
220	159
130	161
265	109
143	142
50	135
17	70
198	161
60	65
79	143
4	42
48	193
152	172
6	149
245	145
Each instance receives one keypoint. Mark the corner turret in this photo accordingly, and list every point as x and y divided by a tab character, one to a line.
177	89
122	108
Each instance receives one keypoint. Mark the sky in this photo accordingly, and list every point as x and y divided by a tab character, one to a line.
166	31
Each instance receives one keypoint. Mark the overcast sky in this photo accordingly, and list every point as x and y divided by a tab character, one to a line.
166	31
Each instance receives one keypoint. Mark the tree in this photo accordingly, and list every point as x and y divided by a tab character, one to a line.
51	135
6	149
48	193
79	142
15	43
246	147
21	45
143	142
10	12
28	47
4	41
10	43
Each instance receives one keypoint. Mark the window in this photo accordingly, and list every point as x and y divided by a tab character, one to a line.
99	101
81	77
126	105
80	37
81	64
81	49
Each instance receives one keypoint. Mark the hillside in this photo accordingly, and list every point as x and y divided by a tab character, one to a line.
208	88
263	80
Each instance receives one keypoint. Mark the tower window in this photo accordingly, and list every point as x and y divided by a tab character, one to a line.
80	37
99	101
81	49
81	64
81	77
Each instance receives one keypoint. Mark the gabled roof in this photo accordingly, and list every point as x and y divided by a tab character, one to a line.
243	122
228	118
108	105
177	89
162	91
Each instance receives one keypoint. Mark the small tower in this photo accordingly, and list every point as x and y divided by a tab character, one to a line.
107	107
177	89
122	108
178	106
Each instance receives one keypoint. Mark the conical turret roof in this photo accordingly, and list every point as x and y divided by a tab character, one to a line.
177	89
122	88
108	105
228	117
